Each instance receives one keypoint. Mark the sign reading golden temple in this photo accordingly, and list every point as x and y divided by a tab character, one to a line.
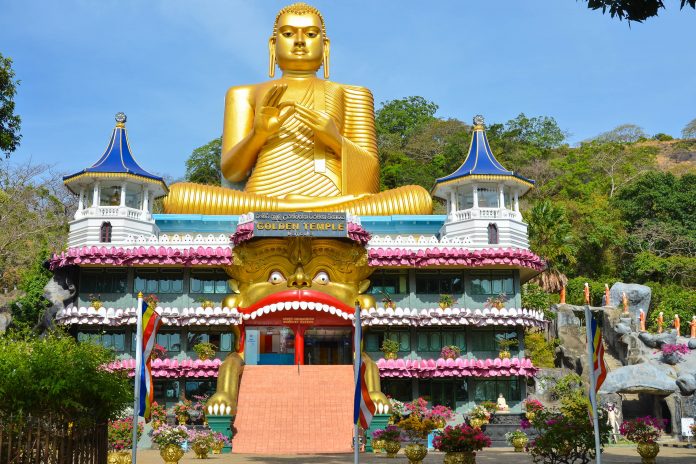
300	224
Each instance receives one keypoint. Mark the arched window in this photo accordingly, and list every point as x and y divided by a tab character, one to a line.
492	234
105	232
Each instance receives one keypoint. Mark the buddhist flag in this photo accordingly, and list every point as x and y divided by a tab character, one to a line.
151	324
364	408
598	366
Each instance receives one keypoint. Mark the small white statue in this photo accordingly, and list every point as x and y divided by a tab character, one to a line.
613	420
502	404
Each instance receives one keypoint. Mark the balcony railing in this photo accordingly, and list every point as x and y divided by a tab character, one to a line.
113	211
485	213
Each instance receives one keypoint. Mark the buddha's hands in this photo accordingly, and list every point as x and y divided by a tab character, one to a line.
272	114
323	125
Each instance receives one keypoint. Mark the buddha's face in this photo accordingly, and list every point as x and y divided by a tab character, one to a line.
299	45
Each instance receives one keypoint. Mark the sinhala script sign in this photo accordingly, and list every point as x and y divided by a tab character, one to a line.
300	224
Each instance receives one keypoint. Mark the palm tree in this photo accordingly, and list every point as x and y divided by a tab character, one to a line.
551	237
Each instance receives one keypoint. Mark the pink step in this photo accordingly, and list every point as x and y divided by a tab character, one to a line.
282	412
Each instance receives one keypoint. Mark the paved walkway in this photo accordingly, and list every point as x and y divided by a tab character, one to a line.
612	455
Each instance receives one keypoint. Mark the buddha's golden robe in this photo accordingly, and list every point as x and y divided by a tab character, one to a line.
296	172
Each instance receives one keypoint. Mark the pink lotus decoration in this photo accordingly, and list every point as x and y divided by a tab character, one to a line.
430	368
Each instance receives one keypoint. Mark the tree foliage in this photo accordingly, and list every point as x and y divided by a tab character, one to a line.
203	166
633	10
625	133
9	122
689	131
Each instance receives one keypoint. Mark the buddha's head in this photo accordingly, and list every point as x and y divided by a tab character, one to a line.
280	270
299	41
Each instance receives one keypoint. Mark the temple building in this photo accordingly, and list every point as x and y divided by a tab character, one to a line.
437	280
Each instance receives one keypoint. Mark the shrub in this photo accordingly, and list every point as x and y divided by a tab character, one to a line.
510	436
57	375
671	299
643	429
450	351
170	435
183	408
205	350
680	348
390	433
417	427
390	346
121	434
460	438
534	297
539	350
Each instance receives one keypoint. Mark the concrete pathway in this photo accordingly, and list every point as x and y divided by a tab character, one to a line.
612	455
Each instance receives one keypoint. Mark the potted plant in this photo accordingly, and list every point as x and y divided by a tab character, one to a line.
531	407
158	352
672	353
95	301
205	303
504	347
450	352
518	439
120	439
387	301
158	415
152	301
204	350
389	439
220	440
170	440
446	301
645	431
201	442
440	415
417	428
479	416
460	443
497	302
182	411
198	408
390	348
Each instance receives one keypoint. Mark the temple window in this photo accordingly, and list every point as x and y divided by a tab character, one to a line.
444	392
399	389
222	341
114	340
488	197
133	198
209	282
110	196
171	341
159	281
199	388
434	340
374	339
488	390
492	284
389	282
438	283
484	342
103	281
166	391
105	232
492	234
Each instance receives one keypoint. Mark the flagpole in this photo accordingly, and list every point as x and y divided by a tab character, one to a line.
138	373
590	364
356	369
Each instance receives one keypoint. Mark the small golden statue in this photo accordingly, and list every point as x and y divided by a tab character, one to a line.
660	322
692	325
301	143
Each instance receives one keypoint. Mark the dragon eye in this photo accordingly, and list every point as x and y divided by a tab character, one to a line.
322	278
276	277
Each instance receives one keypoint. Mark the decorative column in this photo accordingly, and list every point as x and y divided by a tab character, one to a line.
95	196
123	195
501	196
81	201
453	199
517	202
146	205
475	192
299	344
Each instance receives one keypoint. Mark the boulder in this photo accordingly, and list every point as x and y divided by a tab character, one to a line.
638	297
657	340
692	343
654	378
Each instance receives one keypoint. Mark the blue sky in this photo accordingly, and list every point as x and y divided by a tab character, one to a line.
168	63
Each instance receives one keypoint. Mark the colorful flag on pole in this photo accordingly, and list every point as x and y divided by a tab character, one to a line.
364	408
151	324
598	366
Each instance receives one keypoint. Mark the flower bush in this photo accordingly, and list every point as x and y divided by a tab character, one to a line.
417	427
532	405
198	407
221	437
390	433
418	406
460	438
643	429
158	415
205	350
390	346
447	300
158	352
440	414
451	352
496	301
397	410
120	433
514	435
490	406
205	435
183	408
170	435
679	348
480	413
151	300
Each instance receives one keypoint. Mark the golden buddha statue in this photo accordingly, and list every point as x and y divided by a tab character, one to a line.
301	143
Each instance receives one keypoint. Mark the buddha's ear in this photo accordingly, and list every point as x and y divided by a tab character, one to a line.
271	57
327	53
363	286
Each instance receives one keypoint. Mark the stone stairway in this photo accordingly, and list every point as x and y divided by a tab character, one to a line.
281	411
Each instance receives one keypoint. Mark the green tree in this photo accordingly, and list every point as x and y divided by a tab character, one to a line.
203	166
633	10
551	237
29	307
9	122
625	133
404	116
689	131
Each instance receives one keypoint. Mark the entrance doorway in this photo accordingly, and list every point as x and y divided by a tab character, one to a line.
328	345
